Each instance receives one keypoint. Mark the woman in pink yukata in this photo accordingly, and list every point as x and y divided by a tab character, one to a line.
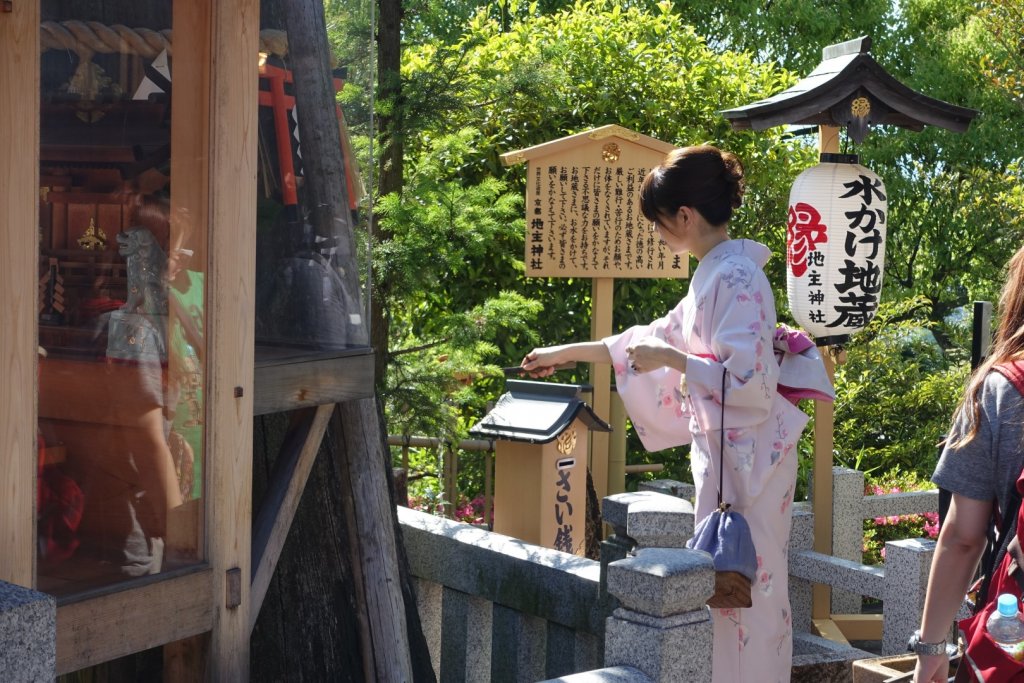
669	375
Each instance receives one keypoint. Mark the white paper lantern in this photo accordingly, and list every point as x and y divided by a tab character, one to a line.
835	247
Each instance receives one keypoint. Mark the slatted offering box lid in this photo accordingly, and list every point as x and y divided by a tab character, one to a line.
537	412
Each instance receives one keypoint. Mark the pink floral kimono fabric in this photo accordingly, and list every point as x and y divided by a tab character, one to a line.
727	324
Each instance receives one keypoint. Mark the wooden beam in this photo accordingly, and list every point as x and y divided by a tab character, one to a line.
156	610
826	628
287	384
287	482
19	218
602	298
859	626
230	305
824	419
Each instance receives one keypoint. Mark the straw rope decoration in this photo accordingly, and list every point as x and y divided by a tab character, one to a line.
86	38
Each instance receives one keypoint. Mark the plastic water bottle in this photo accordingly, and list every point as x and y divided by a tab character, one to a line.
1006	628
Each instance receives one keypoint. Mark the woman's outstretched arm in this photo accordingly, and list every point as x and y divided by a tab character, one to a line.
541	361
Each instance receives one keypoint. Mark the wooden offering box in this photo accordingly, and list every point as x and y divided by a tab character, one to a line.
540	471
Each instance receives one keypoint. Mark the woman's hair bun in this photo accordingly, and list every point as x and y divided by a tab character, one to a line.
732	176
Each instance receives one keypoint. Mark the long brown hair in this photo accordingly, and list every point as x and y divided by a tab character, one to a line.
1008	345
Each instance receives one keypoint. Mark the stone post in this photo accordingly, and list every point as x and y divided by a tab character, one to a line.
672	487
907	564
28	635
663	627
801	537
661	522
847	530
618	545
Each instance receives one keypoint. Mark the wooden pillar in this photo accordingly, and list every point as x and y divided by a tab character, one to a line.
230	306
617	446
603	293
19	216
824	422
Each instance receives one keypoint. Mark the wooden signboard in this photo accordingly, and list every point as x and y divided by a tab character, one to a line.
583	214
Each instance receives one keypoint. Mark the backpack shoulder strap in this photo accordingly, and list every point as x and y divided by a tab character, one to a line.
1014	372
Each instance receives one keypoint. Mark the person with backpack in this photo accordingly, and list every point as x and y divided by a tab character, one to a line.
671	375
981	465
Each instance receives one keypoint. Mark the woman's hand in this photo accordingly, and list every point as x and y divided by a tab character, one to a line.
541	362
932	669
651	353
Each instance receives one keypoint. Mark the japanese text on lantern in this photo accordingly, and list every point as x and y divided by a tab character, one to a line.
805	232
585	220
563	513
861	278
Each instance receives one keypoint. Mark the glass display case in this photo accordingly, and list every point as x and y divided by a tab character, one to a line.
123	259
122	268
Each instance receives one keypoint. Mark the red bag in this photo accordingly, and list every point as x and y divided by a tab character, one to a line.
983	659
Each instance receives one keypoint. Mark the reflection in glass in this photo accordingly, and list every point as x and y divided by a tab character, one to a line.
121	303
305	302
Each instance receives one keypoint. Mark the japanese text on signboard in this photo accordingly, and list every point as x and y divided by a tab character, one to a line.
586	221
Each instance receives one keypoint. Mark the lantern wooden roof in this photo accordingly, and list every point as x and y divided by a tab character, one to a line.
537	412
849	88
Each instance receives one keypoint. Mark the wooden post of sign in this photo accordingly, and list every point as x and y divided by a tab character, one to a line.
603	294
821	495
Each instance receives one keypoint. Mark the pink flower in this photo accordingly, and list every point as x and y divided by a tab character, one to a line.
620	368
760	561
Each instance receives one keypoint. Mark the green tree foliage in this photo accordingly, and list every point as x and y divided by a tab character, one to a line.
593	64
790	32
896	393
955	214
1004	64
447	310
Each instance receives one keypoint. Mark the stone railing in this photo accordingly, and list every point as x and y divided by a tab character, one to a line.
495	608
900	583
28	635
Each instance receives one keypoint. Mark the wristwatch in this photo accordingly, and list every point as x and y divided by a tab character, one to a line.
921	648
